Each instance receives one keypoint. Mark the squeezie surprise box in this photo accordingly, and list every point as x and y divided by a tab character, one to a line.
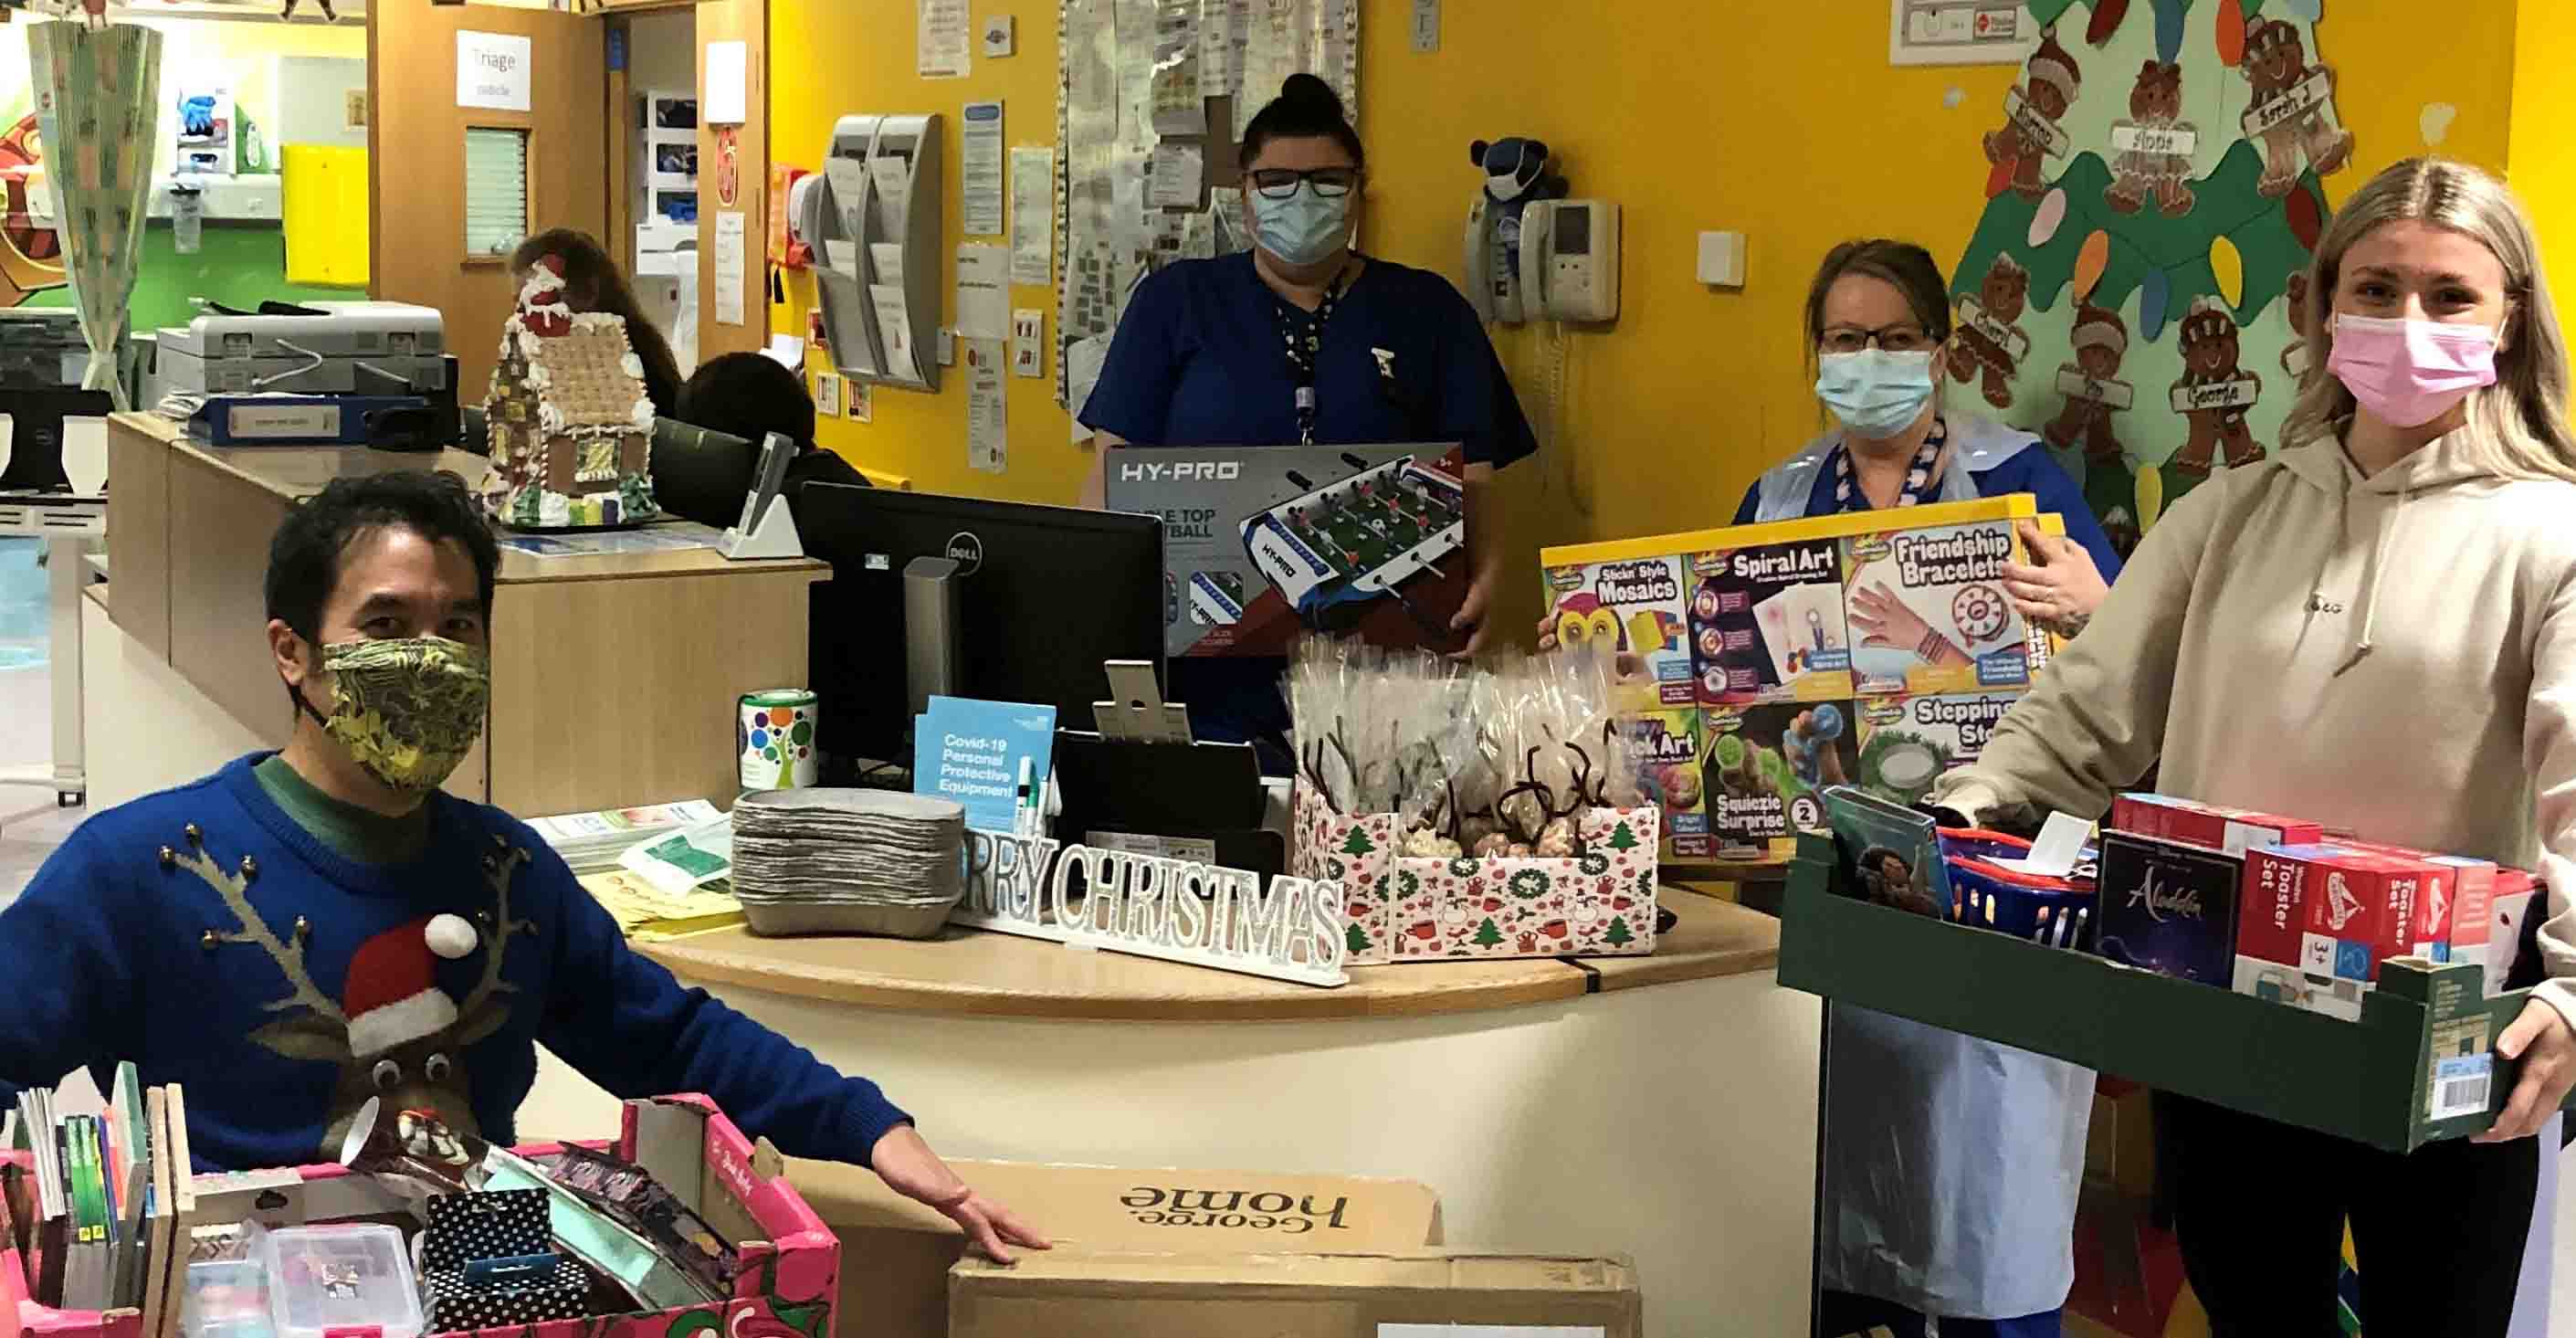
1766	623
1906	743
1929	613
1631	606
1767	766
2209	826
1667	745
2168	908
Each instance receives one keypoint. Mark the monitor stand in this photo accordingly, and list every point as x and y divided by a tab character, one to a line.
933	644
36	435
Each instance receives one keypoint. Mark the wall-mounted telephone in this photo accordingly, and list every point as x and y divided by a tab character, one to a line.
1569	261
1517	176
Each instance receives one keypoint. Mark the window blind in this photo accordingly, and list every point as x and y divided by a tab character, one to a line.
496	190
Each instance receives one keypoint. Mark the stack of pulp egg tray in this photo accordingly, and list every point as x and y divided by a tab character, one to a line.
847	861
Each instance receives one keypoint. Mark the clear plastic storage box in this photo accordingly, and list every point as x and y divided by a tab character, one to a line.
340	1277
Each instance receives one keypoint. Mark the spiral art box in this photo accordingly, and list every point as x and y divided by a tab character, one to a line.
1767	623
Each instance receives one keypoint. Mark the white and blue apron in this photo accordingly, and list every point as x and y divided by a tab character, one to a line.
1952	1164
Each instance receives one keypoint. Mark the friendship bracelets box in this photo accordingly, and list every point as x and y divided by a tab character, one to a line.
1875	648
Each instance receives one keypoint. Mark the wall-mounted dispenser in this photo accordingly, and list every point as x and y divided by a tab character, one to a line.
873	221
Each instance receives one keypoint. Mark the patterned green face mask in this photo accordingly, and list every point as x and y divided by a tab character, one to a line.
407	709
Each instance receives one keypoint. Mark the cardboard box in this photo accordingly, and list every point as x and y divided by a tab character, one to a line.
896	1253
1908	743
1666	745
1403	1295
2468	933
1766	623
2169	908
1949	578
1630	607
1768	767
2212	826
2364	907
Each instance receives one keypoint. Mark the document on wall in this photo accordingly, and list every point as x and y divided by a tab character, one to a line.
728	95
894	331
1216	50
980	170
1179	107
1082	360
943	38
1032	215
730	255
1028	342
891	178
886	259
1175	174
492	70
983	291
987	440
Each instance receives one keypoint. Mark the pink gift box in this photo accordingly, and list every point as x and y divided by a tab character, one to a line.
791	1262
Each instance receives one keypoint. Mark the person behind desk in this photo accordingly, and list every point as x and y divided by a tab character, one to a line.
750	395
1303	339
593	282
305	931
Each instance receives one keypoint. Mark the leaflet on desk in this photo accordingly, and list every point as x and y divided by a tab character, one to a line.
971	751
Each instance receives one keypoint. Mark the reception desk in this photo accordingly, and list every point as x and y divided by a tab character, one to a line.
613	676
1661	1107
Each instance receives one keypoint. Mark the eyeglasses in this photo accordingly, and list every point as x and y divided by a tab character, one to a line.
1279	183
1905	338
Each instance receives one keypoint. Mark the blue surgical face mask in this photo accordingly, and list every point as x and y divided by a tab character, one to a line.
1876	394
1304	228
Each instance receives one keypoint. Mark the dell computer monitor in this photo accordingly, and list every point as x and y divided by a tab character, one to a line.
1047	593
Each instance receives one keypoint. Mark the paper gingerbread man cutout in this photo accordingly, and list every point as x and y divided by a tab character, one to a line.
2288	114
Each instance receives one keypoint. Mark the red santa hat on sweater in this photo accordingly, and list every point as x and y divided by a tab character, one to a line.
392	996
2052	65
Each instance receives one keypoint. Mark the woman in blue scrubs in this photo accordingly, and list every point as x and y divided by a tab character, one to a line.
1304	340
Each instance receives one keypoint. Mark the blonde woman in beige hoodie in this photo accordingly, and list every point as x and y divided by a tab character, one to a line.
2376	628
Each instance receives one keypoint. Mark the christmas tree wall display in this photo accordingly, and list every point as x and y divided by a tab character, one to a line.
2130	292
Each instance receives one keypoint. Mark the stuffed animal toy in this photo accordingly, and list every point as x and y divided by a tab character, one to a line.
1516	172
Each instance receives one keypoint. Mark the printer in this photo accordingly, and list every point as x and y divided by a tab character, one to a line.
315	348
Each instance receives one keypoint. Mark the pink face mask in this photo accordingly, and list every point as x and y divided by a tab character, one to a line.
2409	372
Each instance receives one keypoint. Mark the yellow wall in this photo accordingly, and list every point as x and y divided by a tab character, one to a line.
1784	122
2543	159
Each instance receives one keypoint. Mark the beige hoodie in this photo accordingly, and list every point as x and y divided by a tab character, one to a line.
2395	656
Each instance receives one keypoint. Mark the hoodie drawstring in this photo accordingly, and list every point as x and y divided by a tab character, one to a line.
2370	580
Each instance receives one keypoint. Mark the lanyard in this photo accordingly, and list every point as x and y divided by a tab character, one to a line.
1303	334
1919	486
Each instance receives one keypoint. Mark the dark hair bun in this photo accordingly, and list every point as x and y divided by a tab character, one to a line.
1307	93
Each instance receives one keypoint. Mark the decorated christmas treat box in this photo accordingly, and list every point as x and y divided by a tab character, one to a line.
1599	902
789	1263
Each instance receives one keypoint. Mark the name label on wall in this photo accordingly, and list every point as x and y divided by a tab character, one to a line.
492	70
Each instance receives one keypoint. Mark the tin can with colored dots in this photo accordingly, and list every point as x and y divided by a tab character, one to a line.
774	737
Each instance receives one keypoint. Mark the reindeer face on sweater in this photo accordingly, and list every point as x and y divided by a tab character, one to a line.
393	1034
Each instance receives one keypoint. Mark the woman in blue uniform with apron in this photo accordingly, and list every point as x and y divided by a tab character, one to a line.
1303	339
1951	1164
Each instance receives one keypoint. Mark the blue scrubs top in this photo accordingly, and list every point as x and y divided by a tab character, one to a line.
2028	470
1198	361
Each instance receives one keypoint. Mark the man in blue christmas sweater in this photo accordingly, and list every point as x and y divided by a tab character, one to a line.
304	930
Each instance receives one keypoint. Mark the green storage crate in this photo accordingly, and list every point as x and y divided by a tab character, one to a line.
2372	1081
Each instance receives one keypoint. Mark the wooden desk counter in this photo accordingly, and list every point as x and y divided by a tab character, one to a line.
979	974
613	676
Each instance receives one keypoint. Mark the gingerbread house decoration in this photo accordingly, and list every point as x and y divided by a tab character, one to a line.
571	424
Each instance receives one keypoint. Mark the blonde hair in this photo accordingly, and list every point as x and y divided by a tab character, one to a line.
2518	426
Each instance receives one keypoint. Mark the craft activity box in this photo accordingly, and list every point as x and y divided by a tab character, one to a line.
1633	608
1805	645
